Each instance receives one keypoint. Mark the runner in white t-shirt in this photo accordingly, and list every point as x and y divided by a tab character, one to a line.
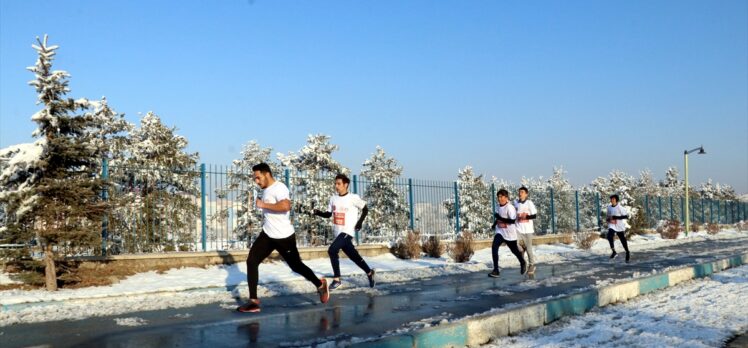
616	226
344	208
526	212
277	234
506	232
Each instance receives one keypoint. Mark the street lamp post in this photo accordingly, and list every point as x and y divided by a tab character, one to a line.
701	151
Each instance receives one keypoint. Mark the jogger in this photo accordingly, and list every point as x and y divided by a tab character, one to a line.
344	208
526	213
506	232
277	234
616	226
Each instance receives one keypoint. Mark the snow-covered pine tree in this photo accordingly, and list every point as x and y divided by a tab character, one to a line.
50	188
158	182
646	184
672	185
241	188
109	133
563	200
707	190
388	210
475	203
312	185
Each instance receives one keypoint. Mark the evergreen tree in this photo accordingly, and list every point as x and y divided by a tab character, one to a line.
50	188
312	185
388	209
157	190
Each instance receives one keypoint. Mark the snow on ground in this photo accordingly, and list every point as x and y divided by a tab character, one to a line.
699	313
135	321
6	280
185	287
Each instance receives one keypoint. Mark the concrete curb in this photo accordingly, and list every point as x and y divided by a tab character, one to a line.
480	329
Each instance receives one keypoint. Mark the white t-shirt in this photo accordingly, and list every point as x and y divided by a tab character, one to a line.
276	225
345	213
617	225
528	208
508	231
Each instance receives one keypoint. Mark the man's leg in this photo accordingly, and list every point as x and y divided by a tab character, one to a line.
333	252
514	248
260	250
288	251
527	238
611	234
350	250
497	240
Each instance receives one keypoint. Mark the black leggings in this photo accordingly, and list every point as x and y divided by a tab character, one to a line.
286	247
621	237
498	239
345	242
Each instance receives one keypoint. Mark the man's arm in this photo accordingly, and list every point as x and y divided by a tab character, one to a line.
360	222
324	214
283	206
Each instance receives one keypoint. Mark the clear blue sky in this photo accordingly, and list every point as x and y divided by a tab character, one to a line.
510	87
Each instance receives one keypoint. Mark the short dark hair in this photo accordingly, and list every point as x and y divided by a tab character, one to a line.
344	178
503	192
262	168
616	197
524	189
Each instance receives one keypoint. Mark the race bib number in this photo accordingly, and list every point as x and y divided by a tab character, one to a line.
338	219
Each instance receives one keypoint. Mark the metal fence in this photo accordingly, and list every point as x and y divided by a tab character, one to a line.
209	208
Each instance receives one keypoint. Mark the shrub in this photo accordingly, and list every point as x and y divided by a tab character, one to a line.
434	247
463	248
585	240
712	228
670	229
408	247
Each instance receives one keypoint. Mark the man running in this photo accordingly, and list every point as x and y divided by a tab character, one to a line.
526	212
506	232
277	234
344	208
616	226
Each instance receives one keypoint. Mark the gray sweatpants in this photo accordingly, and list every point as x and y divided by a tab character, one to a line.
526	238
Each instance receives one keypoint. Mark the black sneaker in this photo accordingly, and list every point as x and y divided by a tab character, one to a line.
522	268
324	292
253	306
628	257
372	282
494	274
335	284
613	255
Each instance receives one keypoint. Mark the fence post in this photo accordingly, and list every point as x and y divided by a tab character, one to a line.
724	221
410	201
203	229
646	203
703	214
597	205
672	212
104	197
683	211
711	211
493	198
576	203
355	191
659	204
553	213
457	209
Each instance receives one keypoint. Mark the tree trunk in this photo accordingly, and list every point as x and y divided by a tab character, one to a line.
50	272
